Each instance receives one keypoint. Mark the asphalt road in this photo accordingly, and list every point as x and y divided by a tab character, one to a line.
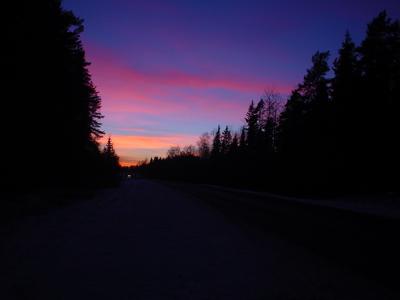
149	240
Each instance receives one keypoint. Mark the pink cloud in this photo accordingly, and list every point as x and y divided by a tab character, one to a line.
107	66
126	90
130	95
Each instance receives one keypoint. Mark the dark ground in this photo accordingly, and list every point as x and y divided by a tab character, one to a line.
150	240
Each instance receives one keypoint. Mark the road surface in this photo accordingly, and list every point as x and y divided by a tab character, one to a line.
147	240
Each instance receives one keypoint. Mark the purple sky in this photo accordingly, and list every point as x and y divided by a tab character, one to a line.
168	71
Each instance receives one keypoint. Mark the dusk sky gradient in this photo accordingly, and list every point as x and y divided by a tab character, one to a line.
167	71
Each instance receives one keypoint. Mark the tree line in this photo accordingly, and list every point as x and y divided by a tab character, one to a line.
337	132
51	117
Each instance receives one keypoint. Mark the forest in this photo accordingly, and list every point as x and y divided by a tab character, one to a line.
51	115
299	201
336	133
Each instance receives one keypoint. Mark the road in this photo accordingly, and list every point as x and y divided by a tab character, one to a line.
148	240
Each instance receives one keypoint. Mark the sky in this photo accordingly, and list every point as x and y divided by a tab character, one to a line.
169	70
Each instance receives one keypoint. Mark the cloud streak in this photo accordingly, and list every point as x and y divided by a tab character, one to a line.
171	98
108	66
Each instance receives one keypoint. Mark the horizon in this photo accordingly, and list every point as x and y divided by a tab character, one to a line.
215	149
187	67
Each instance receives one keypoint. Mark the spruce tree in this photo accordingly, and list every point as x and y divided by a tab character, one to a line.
234	147
304	132
243	140
345	116
216	144
58	102
252	125
270	123
111	162
226	141
380	86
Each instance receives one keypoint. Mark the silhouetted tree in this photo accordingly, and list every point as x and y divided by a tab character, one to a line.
346	111
304	132
111	163
380	88
50	93
270	120
252	125
216	145
234	146
174	152
242	140
333	134
189	151
109	152
226	140
203	145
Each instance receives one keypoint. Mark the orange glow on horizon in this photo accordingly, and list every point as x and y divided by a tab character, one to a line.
122	142
135	148
128	163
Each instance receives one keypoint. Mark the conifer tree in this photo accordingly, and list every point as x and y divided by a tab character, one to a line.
226	141
45	55
380	88
303	131
216	145
346	104
243	140
270	122
110	155
234	147
111	162
252	125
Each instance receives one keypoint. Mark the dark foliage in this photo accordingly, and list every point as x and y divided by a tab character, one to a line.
110	163
333	135
50	106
